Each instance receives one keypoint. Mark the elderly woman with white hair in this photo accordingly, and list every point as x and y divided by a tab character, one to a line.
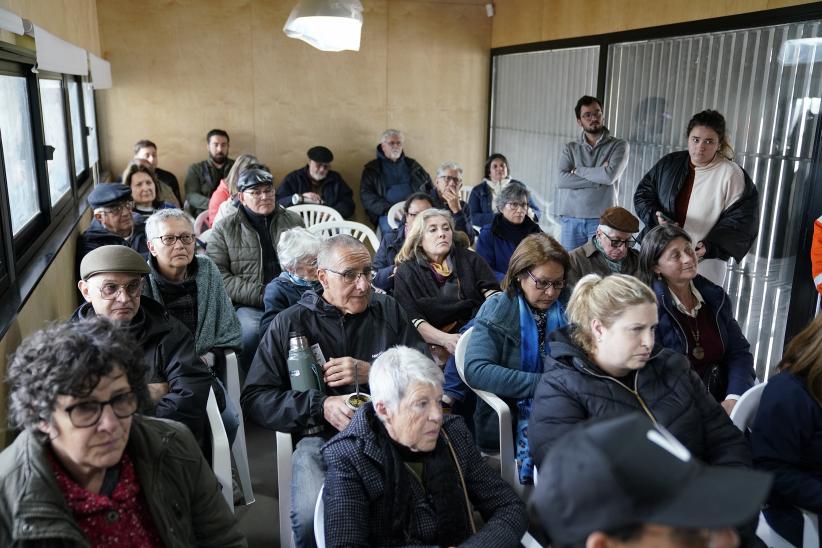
297	252
401	473
445	194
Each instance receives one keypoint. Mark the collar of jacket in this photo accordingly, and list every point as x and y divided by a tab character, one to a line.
711	293
313	301
500	227
604	137
565	350
151	318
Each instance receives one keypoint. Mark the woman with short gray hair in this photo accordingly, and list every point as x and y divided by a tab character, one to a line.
422	477
498	239
297	252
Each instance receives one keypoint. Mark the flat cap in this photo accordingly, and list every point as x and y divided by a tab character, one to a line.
106	194
620	219
112	258
254	177
321	155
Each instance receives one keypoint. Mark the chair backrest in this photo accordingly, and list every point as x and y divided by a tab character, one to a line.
319	520
313	214
394	214
465	192
357	230
744	411
459	353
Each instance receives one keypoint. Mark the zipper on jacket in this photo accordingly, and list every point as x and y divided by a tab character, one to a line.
635	391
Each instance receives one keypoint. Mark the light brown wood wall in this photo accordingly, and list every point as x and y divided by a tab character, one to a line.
183	67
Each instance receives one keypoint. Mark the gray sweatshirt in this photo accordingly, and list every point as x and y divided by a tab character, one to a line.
590	190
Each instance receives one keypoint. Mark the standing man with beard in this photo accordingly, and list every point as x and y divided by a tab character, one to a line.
589	171
390	178
203	177
317	183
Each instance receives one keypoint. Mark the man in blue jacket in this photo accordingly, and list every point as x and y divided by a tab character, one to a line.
317	183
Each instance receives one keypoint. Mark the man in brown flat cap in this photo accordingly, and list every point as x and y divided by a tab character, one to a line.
610	250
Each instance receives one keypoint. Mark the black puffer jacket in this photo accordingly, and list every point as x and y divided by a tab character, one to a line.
267	396
372	185
573	389
734	232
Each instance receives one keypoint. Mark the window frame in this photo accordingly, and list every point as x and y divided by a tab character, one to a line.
64	203
81	180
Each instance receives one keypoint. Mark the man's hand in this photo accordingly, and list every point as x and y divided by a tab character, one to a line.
700	249
336	412
341	371
452	198
728	406
662	219
156	390
312	198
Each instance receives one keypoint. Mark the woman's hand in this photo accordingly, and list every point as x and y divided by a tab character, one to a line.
728	406
700	250
449	341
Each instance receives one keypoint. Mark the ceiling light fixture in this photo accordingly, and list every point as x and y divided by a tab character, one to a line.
328	25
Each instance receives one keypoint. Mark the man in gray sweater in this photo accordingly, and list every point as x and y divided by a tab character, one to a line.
589	170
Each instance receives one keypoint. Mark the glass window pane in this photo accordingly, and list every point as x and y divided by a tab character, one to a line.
54	126
91	123
18	151
77	131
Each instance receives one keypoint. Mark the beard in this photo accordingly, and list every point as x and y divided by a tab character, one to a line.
219	158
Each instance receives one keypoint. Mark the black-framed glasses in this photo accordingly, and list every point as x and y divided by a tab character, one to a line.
617	243
171	239
517	205
592	114
351	276
118	209
542	285
111	290
88	413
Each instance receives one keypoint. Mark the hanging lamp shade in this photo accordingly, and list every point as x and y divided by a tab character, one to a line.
328	25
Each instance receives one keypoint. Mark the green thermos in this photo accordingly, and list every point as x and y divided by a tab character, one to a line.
303	370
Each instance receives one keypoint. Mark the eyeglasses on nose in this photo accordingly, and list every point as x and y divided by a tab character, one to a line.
542	285
88	413
517	205
119	209
257	194
171	239
351	276
617	243
589	115
111	291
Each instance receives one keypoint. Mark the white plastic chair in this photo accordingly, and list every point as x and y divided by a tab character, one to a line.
357	230
239	449
743	415
319	520
313	214
508	465
285	450
465	192
220	452
394	214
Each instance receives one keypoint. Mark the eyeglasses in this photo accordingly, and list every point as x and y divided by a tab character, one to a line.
619	243
88	413
257	194
517	205
351	276
111	291
589	115
542	285
118	209
171	239
451	179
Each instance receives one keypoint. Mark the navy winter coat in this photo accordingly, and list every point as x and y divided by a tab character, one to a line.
496	243
481	204
280	293
335	191
383	263
737	358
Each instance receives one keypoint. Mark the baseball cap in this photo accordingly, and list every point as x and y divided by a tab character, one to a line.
625	471
112	258
254	177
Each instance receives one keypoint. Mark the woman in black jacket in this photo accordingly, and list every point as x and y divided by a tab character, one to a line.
605	365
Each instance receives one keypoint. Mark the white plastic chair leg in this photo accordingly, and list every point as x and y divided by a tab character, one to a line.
220	452
239	449
285	448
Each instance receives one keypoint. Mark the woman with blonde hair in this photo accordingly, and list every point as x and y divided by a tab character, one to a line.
604	364
786	437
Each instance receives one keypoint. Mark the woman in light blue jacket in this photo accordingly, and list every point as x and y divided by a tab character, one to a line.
508	342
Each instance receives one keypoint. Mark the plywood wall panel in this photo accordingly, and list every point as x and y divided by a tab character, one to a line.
71	20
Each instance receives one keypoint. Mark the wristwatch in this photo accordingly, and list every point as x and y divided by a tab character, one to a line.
297	199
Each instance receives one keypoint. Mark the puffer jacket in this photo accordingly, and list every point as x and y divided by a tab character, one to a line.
267	396
356	513
737	359
280	293
180	490
573	389
236	250
372	185
734	232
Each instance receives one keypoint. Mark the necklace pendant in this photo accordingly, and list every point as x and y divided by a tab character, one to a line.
698	352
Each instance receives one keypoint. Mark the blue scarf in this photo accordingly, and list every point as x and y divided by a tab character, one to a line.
296	280
532	360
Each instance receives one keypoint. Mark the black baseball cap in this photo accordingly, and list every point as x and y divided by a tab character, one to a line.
320	154
254	177
626	471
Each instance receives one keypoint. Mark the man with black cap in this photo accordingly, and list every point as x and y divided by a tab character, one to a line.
244	247
114	222
317	183
610	250
110	282
627	482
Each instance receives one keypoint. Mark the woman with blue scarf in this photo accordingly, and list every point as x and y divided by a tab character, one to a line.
509	339
297	253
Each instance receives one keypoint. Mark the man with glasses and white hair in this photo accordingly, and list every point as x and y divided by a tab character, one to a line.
445	194
178	382
347	325
589	171
610	250
244	247
114	221
390	178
